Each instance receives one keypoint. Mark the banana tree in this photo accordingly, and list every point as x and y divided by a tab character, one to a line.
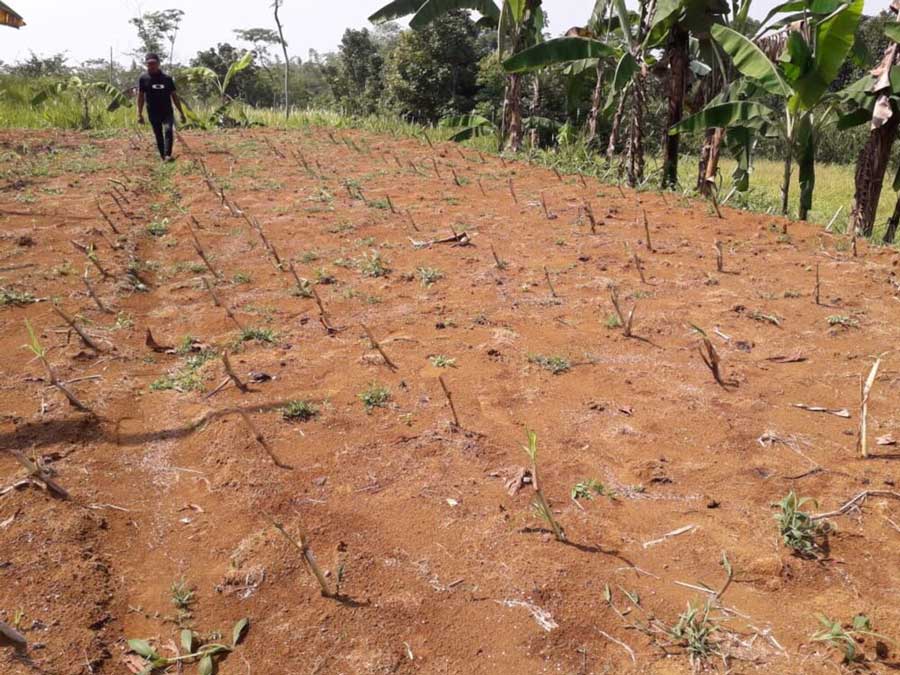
208	75
10	18
84	93
519	23
811	56
875	100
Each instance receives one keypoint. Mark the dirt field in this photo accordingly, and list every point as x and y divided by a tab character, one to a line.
444	566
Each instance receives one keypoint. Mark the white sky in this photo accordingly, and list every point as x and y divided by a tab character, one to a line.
86	29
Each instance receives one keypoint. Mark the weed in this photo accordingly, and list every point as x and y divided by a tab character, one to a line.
844	321
186	378
124	321
441	361
798	530
299	410
694	631
587	489
555	364
375	396
303	289
266	335
613	321
309	257
429	275
9	296
204	654
158	228
373	265
845	639
241	278
182	596
324	277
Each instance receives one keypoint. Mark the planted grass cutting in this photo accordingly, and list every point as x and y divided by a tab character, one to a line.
273	383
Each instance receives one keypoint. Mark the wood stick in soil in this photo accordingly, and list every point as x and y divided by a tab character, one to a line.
261	440
412	221
54	381
88	342
497	261
109	221
512	191
308	557
91	255
549	282
200	251
391	204
437	171
377	347
481	187
818	289
35	471
232	375
12	635
648	241
212	292
449	395
583	181
720	256
323	315
589	212
639	266
558	174
715	203
862	443
125	213
711	358
455	177
90	289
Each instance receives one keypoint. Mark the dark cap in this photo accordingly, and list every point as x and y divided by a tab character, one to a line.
151	57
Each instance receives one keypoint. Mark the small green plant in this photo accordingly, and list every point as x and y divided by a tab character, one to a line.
241	278
587	489
182	597
441	361
194	651
299	410
9	296
846	639
613	321
429	275
266	335
539	503
695	631
158	228
373	265
324	277
798	530
555	364
303	289
844	321
124	321
188	377
375	396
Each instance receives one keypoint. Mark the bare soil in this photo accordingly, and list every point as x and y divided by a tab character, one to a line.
444	569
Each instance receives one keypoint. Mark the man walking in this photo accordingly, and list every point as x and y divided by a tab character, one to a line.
157	91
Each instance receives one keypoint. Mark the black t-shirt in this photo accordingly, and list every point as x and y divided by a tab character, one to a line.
157	90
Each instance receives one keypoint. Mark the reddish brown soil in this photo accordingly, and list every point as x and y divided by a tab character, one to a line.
445	572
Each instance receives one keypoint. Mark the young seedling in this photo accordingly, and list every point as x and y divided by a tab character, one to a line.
710	356
862	443
648	242
205	655
261	440
695	631
38	350
429	275
88	342
554	364
377	347
799	531
539	504
90	289
442	361
308	557
449	396
299	410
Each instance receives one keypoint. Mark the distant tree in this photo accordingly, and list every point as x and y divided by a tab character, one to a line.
41	66
276	5
355	74
432	71
262	40
155	29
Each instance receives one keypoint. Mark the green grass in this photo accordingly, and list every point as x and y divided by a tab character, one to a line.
375	396
302	411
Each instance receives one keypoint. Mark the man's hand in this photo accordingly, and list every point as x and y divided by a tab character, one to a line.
141	119
184	118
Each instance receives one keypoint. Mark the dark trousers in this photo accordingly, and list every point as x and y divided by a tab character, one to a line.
164	130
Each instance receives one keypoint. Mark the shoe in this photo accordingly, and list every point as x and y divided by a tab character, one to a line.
169	159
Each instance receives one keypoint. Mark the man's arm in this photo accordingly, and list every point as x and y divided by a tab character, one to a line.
140	107
177	102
